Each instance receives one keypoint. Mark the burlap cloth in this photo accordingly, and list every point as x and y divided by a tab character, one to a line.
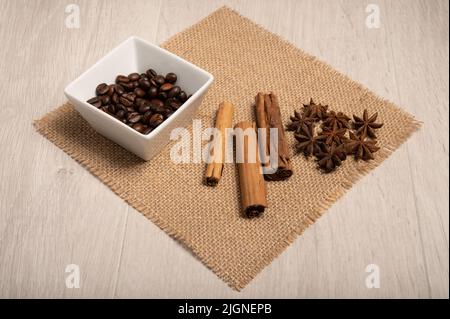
245	59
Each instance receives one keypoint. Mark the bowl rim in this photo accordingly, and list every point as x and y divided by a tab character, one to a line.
166	122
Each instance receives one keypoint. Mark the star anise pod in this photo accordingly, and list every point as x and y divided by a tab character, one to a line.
366	125
313	110
307	142
334	135
361	147
338	118
331	157
297	122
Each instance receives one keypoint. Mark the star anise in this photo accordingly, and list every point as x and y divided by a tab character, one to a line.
313	110
297	122
334	135
307	142
331	157
366	125
361	147
338	118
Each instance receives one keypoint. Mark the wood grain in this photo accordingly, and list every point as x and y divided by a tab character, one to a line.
54	213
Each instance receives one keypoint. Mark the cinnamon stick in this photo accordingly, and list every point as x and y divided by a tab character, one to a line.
223	121
261	121
268	116
251	181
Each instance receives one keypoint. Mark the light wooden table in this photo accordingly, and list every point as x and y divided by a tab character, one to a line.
54	213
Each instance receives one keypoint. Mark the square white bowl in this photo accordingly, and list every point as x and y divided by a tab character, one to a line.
137	55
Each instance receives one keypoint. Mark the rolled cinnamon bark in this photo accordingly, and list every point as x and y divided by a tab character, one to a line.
251	181
261	121
224	118
268	116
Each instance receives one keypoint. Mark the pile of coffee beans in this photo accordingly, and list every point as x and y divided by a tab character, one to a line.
142	101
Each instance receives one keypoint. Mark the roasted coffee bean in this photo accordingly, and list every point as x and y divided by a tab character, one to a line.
135	84
139	101
166	87
134	117
162	95
182	96
146	103
153	91
104	109
151	73
143	75
102	88
111	89
168	115
121	114
144	108
156	102
127	86
175	105
168	101
115	98
130	109
95	101
112	108
124	120
158	109
153	82
155	120
139	92
119	89
125	101
171	77
121	107
146	117
174	92
122	79
134	76
130	96
144	83
148	130
140	127
105	99
159	80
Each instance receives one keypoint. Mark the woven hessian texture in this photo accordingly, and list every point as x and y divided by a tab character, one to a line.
244	59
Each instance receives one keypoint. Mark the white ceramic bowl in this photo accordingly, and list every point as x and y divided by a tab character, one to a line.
137	55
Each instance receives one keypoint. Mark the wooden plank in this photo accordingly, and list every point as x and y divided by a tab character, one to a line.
419	52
